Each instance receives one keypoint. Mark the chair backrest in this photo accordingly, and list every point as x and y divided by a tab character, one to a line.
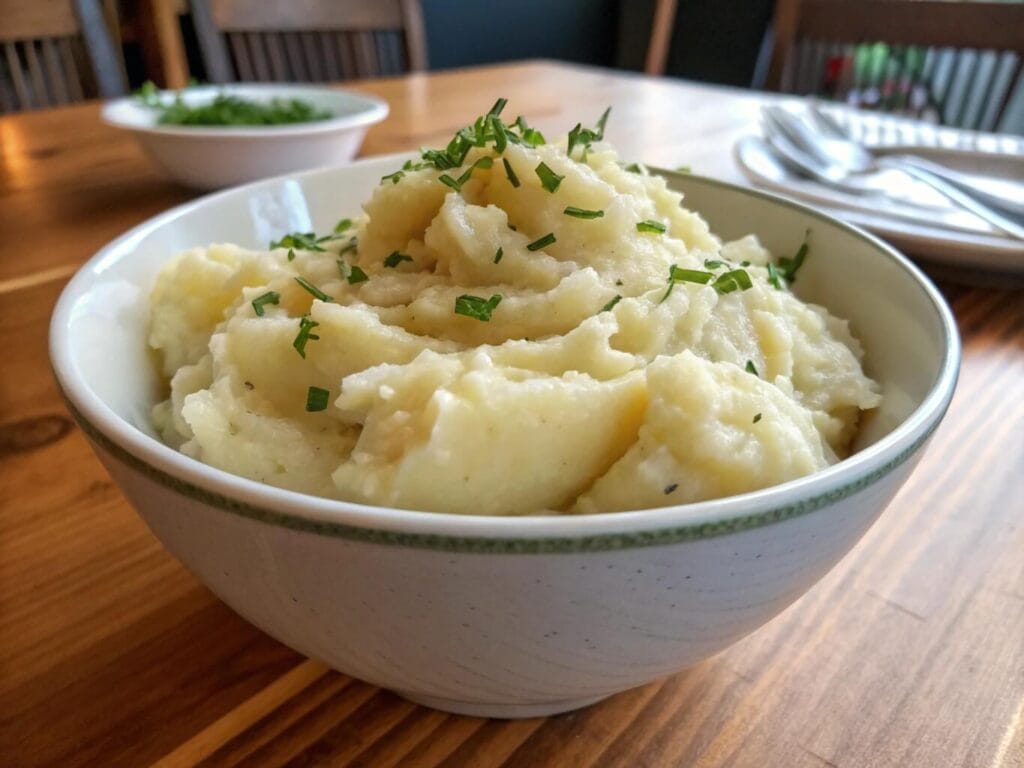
958	63
308	40
55	52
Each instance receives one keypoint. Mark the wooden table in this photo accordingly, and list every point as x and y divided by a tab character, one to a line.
910	653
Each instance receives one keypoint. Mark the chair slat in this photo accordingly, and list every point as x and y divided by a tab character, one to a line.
240	53
14	67
55	75
71	74
257	55
329	55
978	90
346	48
276	57
296	61
40	93
999	93
313	62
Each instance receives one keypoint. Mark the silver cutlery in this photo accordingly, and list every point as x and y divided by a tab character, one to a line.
837	161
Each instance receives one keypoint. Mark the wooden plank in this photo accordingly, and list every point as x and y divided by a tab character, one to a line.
305	15
38	18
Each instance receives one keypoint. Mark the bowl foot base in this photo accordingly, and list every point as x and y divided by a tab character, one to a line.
502	710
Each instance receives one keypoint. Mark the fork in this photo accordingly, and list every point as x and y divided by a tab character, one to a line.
854	159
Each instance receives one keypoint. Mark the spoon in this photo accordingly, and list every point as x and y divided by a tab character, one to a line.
844	158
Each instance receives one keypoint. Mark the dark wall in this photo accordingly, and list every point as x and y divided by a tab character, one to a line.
716	41
461	33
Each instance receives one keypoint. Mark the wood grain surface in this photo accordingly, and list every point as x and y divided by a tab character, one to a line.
909	653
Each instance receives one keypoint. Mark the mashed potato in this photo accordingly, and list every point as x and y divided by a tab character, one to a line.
510	329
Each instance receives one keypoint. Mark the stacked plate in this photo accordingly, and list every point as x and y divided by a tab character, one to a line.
893	204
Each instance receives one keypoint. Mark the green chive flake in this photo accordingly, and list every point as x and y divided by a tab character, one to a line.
498	254
305	241
512	178
317	399
395	258
543	242
548	178
306	326
582	213
342	225
757	418
357	276
312	289
477	307
647	225
270	297
734	280
608	307
751	368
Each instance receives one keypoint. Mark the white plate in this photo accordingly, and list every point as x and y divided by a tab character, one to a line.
209	157
915	219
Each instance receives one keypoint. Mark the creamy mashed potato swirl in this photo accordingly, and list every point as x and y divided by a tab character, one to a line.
567	381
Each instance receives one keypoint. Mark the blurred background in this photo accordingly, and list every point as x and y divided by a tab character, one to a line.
962	69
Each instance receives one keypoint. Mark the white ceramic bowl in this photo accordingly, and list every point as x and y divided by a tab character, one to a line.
487	615
210	157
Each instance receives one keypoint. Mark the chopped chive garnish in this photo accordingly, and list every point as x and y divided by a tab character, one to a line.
394	178
744	263
512	178
651	226
789	266
548	178
529	135
774	277
305	334
585	136
305	241
582	213
751	368
671	487
618	282
291	254
353	274
734	280
637	168
757	417
498	106
498	254
680	275
395	258
547	240
447	180
310	288
350	246
714	264
477	307
500	135
342	225
316	399
615	300
270	297
456	184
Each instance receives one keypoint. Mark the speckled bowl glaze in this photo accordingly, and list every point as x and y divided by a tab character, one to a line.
507	617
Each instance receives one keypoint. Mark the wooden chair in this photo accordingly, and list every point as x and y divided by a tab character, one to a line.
959	61
55	52
308	40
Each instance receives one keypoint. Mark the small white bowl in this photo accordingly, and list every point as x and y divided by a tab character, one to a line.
210	157
494	615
